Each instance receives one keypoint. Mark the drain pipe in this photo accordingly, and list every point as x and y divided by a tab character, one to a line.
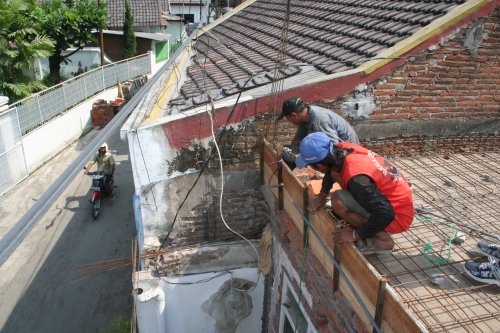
151	307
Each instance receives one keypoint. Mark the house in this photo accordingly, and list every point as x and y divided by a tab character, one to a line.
158	43
192	11
418	80
151	20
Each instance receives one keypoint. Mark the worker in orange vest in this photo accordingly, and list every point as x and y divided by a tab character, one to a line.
375	199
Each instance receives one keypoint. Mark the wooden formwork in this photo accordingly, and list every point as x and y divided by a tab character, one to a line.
382	302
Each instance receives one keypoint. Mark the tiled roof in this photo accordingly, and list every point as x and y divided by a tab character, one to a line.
333	36
146	12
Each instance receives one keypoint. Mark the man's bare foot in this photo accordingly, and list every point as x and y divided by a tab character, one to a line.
384	241
381	243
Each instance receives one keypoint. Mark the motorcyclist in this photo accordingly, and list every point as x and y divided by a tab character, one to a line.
105	163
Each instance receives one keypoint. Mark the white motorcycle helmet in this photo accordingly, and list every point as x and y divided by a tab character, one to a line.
104	145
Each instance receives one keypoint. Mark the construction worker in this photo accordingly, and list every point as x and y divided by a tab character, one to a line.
310	119
106	164
375	199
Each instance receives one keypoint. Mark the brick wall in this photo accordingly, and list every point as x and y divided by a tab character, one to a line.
447	82
329	312
238	147
245	211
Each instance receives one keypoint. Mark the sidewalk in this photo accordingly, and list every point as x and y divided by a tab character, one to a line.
16	202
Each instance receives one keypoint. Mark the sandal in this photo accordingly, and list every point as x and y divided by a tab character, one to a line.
369	246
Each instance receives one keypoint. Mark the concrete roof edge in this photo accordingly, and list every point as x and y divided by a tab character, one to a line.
431	30
246	96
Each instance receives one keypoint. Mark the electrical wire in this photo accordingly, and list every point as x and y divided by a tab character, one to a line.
145	166
437	259
221	195
196	282
205	164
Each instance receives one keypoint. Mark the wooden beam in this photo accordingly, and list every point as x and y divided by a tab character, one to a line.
380	302
261	162
280	186
305	198
336	272
293	185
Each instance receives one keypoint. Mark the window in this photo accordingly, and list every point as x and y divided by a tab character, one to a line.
293	317
188	18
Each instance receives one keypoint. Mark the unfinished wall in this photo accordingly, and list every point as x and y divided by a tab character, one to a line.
243	207
327	311
199	219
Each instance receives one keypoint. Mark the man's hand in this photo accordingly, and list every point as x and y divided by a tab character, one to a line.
345	235
317	202
288	155
85	170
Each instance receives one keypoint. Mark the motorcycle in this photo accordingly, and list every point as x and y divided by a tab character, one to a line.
97	190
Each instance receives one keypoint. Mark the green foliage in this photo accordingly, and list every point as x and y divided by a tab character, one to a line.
70	25
120	325
20	45
129	41
175	47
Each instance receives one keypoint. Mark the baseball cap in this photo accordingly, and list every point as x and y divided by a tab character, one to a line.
291	105
313	148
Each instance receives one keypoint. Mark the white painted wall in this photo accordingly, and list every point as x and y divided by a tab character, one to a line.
182	310
188	9
46	141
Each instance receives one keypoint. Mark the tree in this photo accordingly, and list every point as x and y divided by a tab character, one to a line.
70	24
20	45
129	41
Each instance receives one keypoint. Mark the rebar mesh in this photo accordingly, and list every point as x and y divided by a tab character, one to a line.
457	180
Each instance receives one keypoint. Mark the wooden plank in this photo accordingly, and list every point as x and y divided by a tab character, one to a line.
270	180
293	185
336	272
261	162
280	188
293	213
398	317
382	284
269	154
365	279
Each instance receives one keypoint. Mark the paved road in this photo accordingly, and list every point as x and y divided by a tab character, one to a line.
41	289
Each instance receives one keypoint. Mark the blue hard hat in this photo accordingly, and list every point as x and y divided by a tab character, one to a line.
313	148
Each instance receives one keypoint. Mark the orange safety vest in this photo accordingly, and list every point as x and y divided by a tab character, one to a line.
388	179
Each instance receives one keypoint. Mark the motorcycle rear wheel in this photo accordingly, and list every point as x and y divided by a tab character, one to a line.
96	208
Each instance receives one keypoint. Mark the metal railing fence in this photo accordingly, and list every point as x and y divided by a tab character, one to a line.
12	161
39	108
